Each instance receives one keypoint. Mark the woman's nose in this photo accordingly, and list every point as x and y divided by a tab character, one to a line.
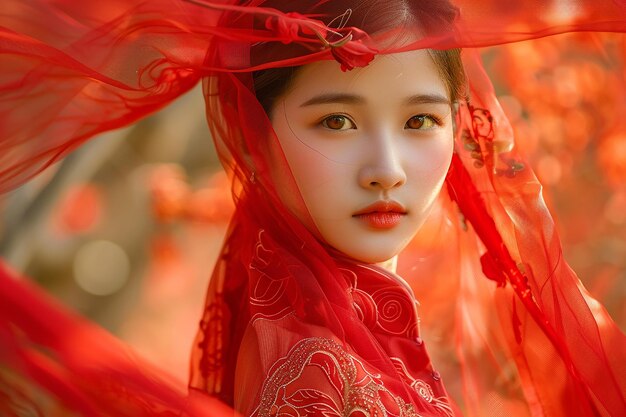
383	167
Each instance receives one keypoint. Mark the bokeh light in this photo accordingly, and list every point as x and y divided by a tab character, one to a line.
101	267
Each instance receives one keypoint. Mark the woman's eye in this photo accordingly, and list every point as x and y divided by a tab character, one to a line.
421	121
337	122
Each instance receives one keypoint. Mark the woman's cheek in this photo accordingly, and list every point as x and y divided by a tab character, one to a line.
431	159
319	162
427	166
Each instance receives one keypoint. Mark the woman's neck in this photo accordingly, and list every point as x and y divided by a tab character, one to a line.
390	264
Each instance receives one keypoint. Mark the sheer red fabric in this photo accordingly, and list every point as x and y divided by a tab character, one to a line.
55	363
291	326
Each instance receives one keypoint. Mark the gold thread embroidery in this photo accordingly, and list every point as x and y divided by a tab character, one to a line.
349	389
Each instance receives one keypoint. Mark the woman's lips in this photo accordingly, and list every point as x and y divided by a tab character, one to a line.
382	214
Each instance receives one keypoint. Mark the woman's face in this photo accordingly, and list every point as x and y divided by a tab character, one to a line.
369	149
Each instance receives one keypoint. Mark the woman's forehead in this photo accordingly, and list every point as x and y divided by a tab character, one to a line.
401	75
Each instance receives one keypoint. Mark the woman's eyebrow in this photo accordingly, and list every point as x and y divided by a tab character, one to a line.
345	98
341	98
428	99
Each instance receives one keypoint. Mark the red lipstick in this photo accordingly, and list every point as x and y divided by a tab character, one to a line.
383	214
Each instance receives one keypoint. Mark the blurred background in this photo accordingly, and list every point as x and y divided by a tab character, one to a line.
126	230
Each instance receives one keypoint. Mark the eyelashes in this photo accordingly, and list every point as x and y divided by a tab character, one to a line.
422	121
340	122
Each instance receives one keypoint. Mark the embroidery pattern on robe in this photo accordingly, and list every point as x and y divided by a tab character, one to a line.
318	377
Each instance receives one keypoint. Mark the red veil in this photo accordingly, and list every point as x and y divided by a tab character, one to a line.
290	325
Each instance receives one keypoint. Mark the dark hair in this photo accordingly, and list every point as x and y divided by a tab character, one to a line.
372	16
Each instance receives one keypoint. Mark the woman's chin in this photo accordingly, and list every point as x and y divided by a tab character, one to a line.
373	254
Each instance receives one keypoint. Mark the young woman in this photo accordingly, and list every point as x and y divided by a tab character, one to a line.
339	122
